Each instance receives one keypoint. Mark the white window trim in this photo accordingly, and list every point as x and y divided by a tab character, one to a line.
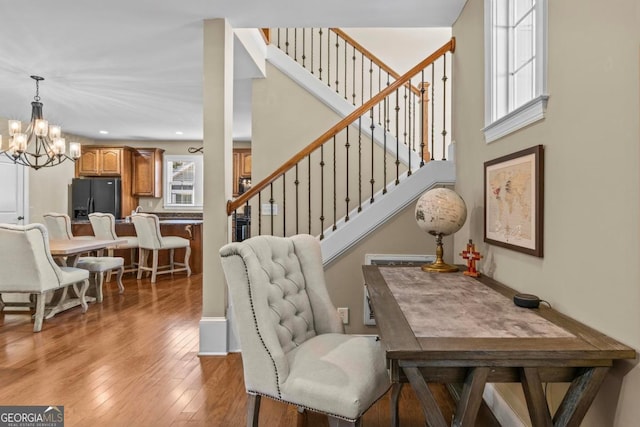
199	182
531	111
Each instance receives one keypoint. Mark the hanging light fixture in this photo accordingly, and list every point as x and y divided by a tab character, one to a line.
40	145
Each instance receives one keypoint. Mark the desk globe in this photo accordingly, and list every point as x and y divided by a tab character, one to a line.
440	212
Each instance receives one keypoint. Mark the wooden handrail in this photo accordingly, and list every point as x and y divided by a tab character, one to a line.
232	205
379	62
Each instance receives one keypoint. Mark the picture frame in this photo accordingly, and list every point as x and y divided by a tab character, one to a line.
514	201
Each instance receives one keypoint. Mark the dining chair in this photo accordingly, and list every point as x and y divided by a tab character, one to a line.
59	226
150	240
28	267
293	344
104	228
100	265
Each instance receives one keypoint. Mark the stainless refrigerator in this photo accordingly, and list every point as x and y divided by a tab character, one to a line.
90	195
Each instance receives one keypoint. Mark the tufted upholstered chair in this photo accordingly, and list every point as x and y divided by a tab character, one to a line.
27	267
151	240
293	345
104	228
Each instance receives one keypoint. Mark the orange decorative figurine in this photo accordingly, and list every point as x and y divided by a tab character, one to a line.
471	256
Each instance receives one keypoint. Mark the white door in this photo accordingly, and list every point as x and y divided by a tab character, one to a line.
13	200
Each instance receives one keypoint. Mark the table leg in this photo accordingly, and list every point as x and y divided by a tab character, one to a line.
536	400
396	388
471	398
579	397
430	407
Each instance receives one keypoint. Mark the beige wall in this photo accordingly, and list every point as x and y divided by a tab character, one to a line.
285	119
590	268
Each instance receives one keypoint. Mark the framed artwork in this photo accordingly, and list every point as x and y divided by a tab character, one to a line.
513	201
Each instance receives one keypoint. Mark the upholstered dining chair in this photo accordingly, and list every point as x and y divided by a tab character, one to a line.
27	267
104	228
59	226
293	345
150	240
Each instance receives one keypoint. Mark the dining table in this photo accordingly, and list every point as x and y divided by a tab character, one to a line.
67	252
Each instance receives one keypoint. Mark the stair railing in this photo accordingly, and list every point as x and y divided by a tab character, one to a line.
351	163
354	72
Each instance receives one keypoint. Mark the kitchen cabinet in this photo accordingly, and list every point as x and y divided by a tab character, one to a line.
104	161
147	172
241	167
107	161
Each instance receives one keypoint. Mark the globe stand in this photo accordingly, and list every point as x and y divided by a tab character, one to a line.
439	266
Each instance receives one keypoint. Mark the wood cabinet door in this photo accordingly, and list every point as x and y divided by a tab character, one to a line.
88	162
245	164
110	161
143	183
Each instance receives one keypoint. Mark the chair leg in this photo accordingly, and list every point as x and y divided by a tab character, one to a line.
301	418
1	303
171	257
253	408
109	254
154	266
187	254
99	282
37	325
119	279
142	262
83	291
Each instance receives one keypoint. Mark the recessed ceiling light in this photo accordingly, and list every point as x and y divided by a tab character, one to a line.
179	132
104	132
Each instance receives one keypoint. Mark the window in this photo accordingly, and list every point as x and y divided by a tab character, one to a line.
183	180
515	65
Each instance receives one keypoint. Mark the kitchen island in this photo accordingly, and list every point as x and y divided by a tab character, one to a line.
188	228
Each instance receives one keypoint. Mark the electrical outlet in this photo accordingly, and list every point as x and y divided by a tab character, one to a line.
344	314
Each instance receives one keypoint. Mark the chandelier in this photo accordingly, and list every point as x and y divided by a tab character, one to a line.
40	145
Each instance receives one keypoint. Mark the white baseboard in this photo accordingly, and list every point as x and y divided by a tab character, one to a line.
213	336
501	410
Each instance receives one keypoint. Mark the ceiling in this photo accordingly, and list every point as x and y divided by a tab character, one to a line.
133	68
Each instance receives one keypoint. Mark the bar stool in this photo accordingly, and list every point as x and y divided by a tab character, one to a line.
151	240
104	228
59	226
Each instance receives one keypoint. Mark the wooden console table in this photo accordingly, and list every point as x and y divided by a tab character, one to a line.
450	328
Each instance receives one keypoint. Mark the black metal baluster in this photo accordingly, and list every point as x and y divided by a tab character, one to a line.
384	152
304	47
353	82
328	58
373	143
359	163
347	145
295	44
397	162
345	69
404	130
322	192
379	90
271	201
247	212
370	82
260	213
309	189
407	125
320	53
422	129
362	80
284	205
433	79
337	62
297	183
312	50
388	123
335	187
444	107
286	41
278	38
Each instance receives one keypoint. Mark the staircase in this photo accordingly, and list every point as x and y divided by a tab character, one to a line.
375	162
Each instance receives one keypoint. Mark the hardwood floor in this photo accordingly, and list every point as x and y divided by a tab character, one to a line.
132	361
